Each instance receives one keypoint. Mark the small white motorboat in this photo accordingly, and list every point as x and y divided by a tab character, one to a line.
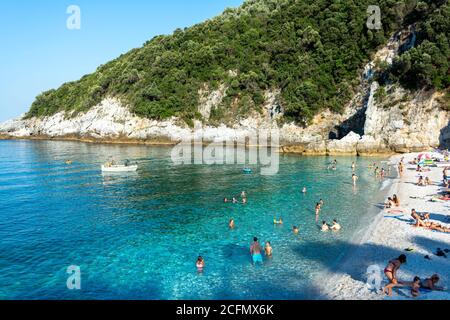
119	168
127	167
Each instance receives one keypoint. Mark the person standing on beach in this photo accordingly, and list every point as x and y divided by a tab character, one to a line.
400	169
255	251
393	266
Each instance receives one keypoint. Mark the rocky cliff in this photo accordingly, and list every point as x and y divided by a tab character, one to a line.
395	121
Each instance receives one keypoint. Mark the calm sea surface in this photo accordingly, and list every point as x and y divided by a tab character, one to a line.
137	236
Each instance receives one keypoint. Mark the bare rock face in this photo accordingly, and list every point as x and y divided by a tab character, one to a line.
347	145
403	123
210	100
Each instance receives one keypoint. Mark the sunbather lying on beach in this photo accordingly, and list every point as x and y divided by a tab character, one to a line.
414	285
431	283
420	222
419	217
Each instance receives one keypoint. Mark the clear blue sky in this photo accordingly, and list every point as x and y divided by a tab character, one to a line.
38	52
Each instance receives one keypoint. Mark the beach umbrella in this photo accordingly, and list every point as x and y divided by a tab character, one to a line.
424	155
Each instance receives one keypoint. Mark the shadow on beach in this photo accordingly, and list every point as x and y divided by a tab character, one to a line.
361	257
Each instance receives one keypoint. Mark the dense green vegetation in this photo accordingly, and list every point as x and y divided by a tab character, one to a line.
427	64
312	50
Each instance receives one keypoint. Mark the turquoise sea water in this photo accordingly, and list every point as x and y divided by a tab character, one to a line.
137	236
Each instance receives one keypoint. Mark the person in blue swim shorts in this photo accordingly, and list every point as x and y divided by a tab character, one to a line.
255	251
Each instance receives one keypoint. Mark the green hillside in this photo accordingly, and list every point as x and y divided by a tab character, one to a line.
312	50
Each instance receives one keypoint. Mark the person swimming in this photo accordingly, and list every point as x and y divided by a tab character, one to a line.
255	251
200	264
231	224
304	190
277	222
336	226
325	227
353	166
295	229
354	179
268	249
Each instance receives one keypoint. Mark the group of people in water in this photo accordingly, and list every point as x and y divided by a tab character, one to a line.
416	284
234	200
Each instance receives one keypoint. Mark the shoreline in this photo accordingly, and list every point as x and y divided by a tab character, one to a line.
161	141
386	237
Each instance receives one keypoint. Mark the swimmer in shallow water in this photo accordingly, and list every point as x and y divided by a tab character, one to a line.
268	249
231	224
200	264
354	179
304	190
295	229
318	207
255	251
277	222
335	226
325	227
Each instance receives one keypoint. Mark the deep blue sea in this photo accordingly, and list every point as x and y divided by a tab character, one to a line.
138	235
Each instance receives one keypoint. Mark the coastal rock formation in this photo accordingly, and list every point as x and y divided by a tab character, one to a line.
377	120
